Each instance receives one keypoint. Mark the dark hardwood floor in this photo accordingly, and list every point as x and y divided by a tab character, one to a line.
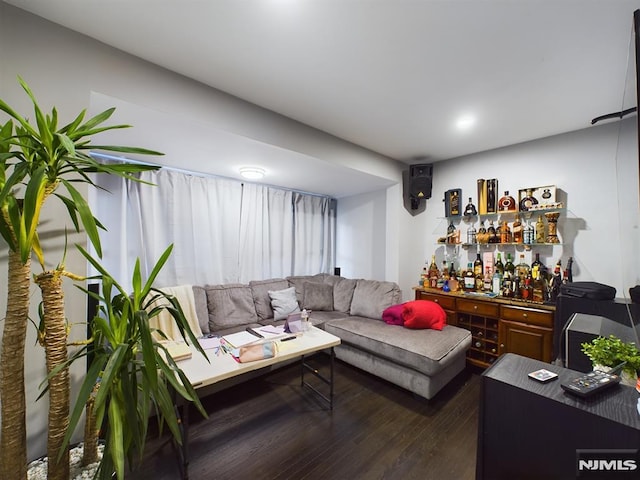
271	428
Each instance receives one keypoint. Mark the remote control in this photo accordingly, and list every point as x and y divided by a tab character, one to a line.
591	383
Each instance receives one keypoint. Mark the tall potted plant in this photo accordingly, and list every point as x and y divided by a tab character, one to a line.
130	372
41	161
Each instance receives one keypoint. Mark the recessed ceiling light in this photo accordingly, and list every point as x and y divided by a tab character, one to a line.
465	122
252	173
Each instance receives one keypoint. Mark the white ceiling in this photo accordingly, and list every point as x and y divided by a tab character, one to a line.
390	75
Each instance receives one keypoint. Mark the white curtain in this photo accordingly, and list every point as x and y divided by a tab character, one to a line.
223	231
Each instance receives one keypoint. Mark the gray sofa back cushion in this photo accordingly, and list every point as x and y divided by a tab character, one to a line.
343	289
200	298
371	297
260	292
230	305
298	282
318	296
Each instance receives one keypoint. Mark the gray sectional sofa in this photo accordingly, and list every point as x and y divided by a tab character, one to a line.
422	361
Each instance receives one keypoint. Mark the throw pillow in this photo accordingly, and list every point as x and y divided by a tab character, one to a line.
423	314
393	314
318	296
283	302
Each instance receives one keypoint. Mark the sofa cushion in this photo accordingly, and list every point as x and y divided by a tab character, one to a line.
343	294
230	305
371	297
298	282
283	302
318	296
260	291
393	315
428	351
423	314
200	298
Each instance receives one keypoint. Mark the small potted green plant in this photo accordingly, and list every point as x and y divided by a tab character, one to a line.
611	351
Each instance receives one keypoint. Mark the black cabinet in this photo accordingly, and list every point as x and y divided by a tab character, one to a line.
533	430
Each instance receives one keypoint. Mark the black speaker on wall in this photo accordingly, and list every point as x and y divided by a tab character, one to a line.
420	180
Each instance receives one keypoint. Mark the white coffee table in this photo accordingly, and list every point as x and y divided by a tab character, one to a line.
222	366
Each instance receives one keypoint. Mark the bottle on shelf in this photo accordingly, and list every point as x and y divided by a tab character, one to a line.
487	281
507	284
499	266
528	235
528	201
482	235
424	278
478	266
433	273
505	233
526	290
506	203
496	282
539	287
509	266
540	236
522	269
517	230
556	281
569	269
453	279
472	235
470	209
493	238
451	233
469	279
516	287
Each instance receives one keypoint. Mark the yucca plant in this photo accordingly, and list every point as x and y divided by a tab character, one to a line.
38	161
132	374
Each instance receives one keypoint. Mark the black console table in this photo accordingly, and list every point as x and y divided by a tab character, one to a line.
533	430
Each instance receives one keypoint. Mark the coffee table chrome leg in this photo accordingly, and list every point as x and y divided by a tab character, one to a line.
328	381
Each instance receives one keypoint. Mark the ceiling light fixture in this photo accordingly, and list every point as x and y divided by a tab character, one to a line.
465	122
252	173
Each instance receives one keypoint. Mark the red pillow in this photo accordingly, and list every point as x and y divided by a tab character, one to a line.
423	314
393	315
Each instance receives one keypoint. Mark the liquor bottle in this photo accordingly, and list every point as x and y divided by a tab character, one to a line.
451	232
433	273
528	235
569	269
536	263
487	282
470	209
528	201
506	203
540	233
478	266
496	283
453	279
492	233
509	266
523	269
516	287
507	284
556	282
499	266
480	282
539	293
505	233
517	230
526	290
469	279
472	235
482	235
424	278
